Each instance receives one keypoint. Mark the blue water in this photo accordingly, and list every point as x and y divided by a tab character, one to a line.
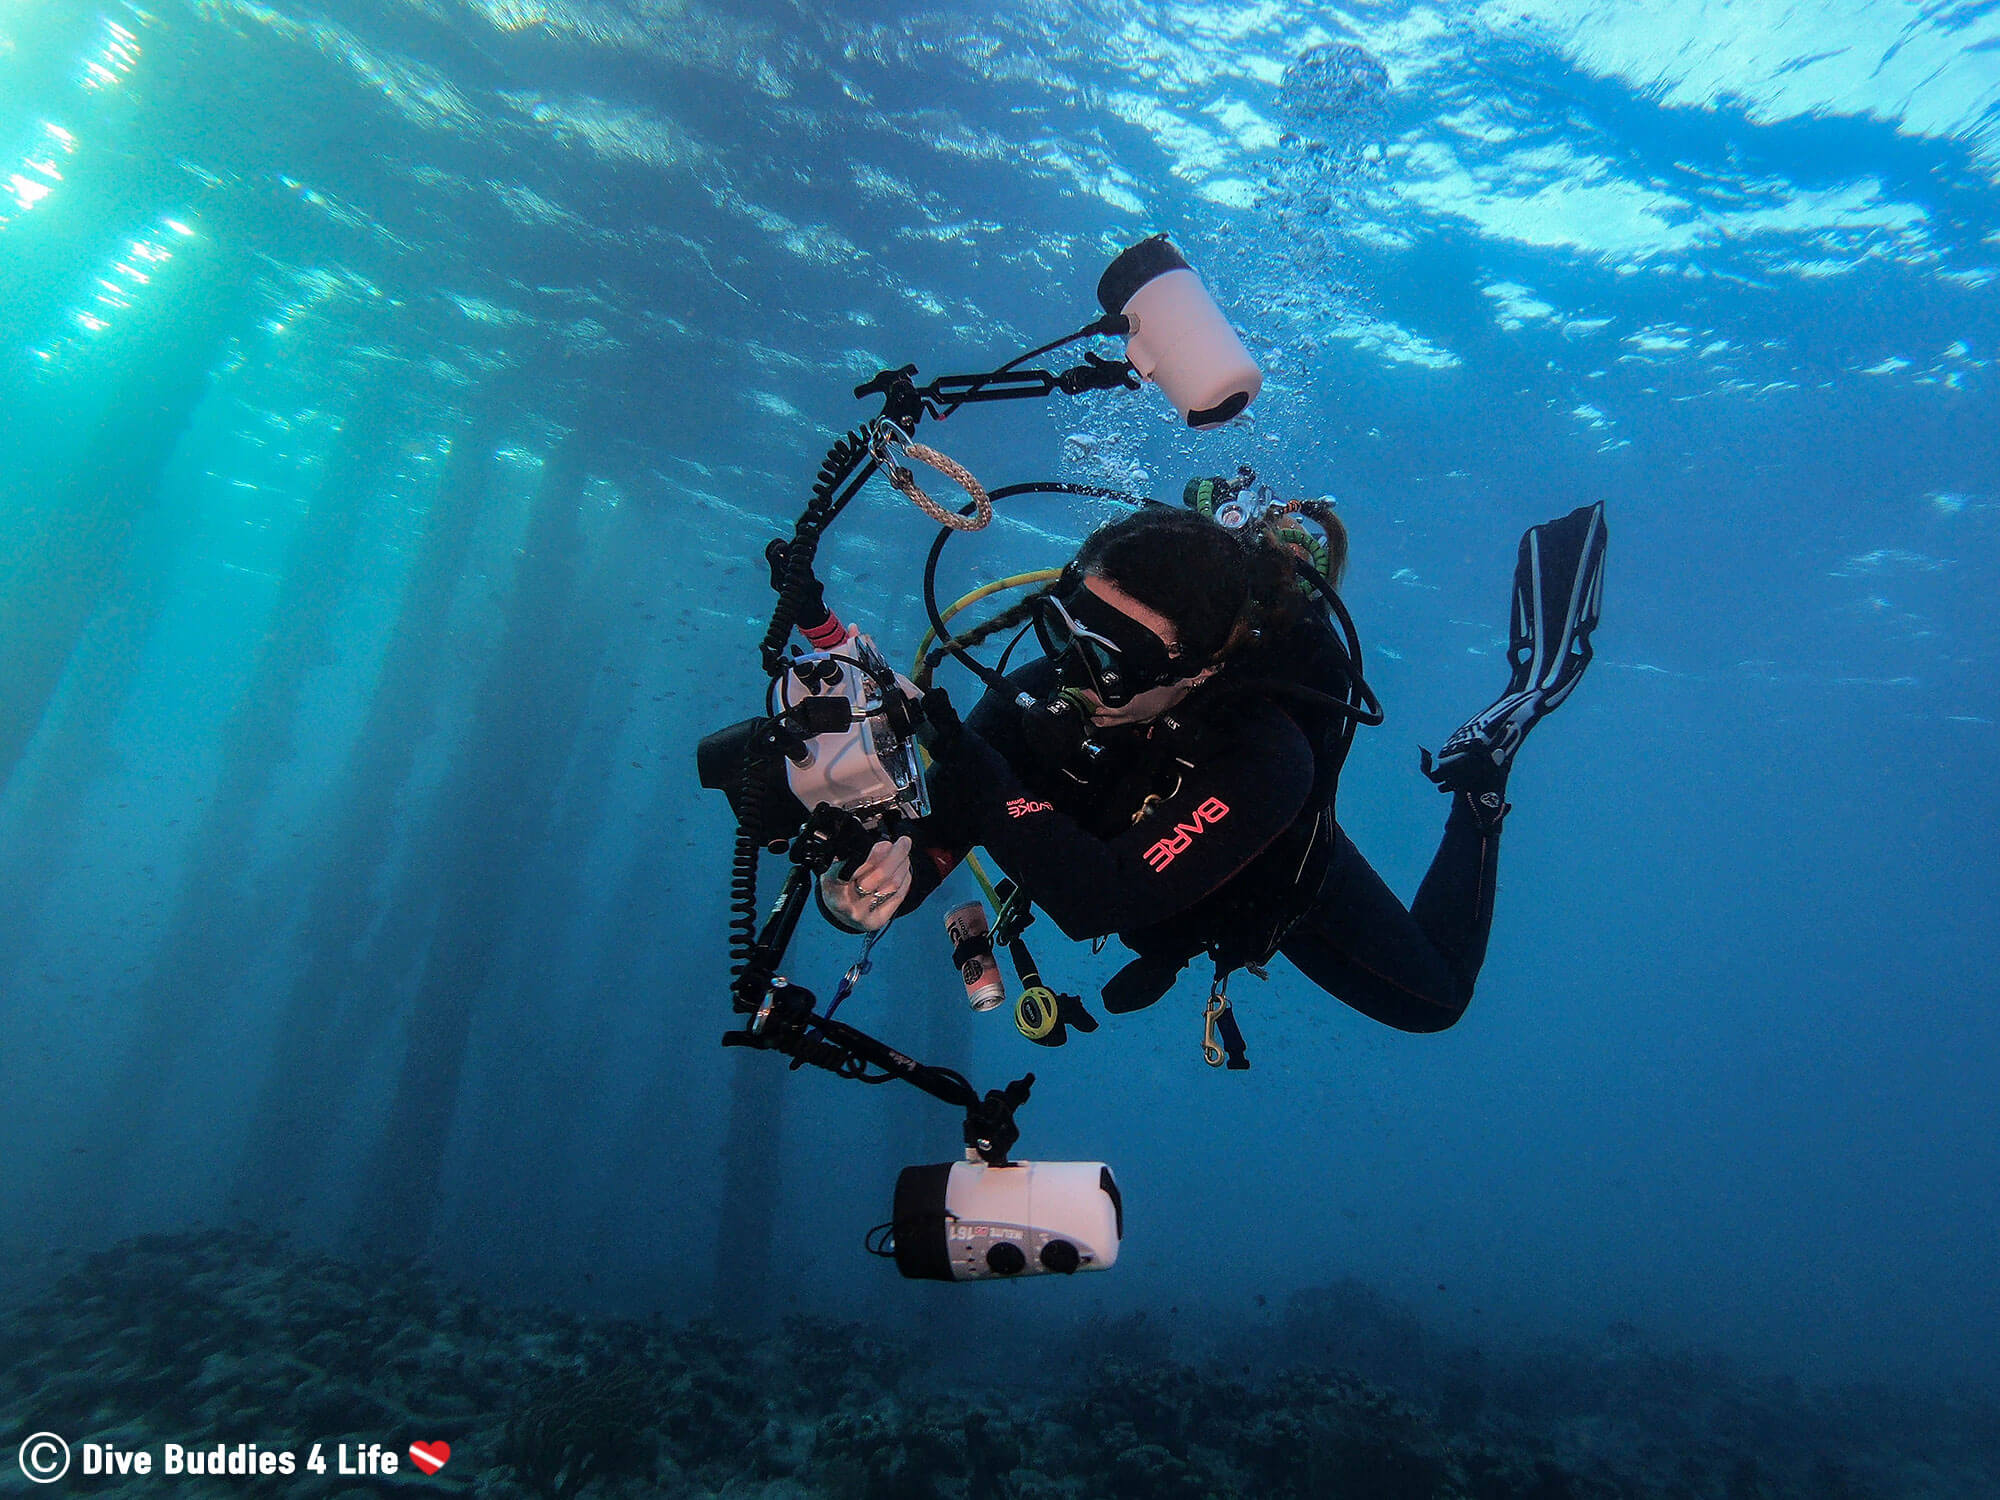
397	398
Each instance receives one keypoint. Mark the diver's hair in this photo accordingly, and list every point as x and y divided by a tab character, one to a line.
1216	585
1336	542
1015	614
1184	565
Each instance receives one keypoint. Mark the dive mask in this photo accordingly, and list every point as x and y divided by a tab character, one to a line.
1101	649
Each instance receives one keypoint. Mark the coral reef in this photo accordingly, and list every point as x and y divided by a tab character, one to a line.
231	1337
575	1429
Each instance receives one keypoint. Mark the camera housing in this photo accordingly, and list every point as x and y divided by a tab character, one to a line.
968	1221
791	763
869	768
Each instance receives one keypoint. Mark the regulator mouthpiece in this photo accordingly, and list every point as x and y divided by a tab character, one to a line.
1179	338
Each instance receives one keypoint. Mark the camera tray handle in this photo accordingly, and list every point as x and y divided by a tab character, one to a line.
786	1022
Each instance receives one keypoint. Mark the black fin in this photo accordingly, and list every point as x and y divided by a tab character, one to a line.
1140	983
1558	595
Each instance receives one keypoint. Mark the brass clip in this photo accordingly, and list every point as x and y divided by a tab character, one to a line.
1217	1007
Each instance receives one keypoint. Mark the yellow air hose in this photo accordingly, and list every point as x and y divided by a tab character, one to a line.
985	591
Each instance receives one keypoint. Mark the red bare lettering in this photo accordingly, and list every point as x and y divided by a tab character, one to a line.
1170	848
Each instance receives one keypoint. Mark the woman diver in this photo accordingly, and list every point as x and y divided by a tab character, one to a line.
1175	785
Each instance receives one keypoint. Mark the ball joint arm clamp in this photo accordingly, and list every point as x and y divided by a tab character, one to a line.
787	733
787	1023
989	1122
905	403
834	836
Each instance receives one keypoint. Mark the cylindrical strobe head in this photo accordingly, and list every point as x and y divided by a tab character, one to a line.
1179	338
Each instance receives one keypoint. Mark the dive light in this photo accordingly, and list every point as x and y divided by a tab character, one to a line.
1178	338
970	1221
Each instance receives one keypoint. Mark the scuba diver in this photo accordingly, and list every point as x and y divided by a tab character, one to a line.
1167	771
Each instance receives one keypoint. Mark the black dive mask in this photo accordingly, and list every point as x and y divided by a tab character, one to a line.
1100	649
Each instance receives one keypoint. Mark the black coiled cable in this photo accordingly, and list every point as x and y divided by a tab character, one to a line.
745	985
840	462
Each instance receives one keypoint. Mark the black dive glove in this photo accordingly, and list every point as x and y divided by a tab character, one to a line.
963	770
1046	1018
943	730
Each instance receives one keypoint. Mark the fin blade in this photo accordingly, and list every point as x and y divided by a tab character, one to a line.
1558	595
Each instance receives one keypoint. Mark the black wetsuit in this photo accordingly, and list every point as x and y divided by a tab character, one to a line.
1238	844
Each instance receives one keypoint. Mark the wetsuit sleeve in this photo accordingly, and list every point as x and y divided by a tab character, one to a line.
934	853
1222	816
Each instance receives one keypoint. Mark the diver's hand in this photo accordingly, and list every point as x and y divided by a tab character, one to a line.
942	732
870	899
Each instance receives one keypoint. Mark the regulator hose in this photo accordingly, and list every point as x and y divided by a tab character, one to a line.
1362	706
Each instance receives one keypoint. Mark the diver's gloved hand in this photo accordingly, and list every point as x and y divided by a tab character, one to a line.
944	729
1046	1018
965	772
869	900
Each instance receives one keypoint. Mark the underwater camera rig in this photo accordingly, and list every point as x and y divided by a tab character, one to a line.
833	766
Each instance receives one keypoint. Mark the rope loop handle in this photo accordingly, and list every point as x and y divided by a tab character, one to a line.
890	442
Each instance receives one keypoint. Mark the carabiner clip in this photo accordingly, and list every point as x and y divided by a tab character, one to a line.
1212	1013
856	970
885	439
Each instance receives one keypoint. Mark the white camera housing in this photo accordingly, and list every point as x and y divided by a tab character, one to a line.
967	1221
866	768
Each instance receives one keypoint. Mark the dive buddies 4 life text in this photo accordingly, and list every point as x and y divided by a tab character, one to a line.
45	1458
